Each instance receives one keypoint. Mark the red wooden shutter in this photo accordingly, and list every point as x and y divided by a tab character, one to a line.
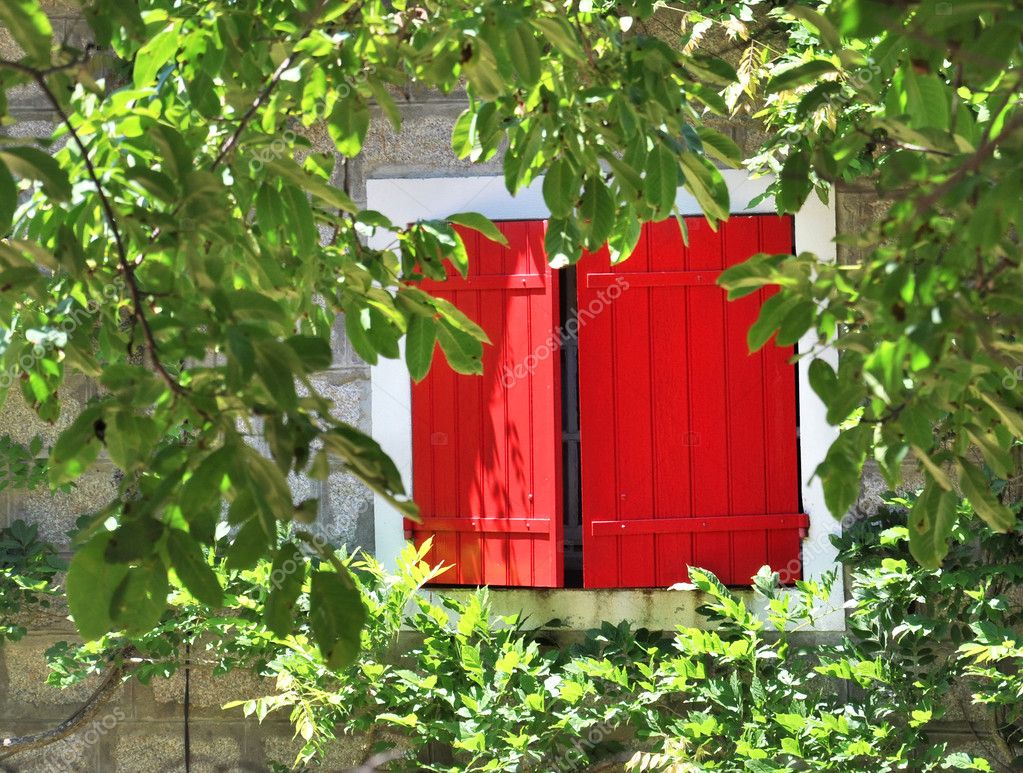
688	443
486	450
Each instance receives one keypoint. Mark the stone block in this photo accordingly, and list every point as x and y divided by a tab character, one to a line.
158	747
208	692
346	512
26	696
344	754
423	147
19	421
57	512
8	48
873	486
348	391
344	353
74	754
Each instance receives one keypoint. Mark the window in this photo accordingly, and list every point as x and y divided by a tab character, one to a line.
687	446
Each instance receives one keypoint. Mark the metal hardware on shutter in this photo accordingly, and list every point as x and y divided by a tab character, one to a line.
509	282
654	279
534	525
725	523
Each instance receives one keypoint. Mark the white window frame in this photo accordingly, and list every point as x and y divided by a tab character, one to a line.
404	200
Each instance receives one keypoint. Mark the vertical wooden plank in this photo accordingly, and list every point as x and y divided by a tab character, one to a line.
746	441
469	446
495	365
520	418
632	393
422	472
671	470
598	452
781	421
545	398
707	391
443	439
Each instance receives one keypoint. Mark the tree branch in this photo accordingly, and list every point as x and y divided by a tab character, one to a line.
974	163
100	696
289	61
108	212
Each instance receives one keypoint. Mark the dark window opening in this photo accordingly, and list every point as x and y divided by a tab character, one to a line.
571	485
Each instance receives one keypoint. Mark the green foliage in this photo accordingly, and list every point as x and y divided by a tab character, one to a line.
21	466
187	247
747	690
27	569
182	243
919	104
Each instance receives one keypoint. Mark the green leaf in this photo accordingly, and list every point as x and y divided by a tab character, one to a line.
482	71
800	75
795	183
597	212
336	616
34	164
705	182
129	439
249	545
77	447
524	52
769	320
192	569
357	336
277	367
977	489
8	199
561	187
29	26
661	181
560	34
841	469
478	222
720	146
925	100
313	351
818	23
140	598
286	577
419	345
625	237
930	525
562	242
347	125
154	55
463	351
328	194
91	581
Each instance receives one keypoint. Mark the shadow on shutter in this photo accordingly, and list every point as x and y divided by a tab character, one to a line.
487	449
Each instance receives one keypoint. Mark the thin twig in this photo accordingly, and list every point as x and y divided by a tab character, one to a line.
289	61
974	163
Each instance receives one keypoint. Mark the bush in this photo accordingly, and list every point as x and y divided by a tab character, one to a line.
748	692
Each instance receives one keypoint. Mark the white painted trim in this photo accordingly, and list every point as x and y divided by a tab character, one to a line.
406	200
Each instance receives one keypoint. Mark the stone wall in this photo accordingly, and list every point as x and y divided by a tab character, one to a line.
142	728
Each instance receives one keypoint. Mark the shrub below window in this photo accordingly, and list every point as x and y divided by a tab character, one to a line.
751	691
